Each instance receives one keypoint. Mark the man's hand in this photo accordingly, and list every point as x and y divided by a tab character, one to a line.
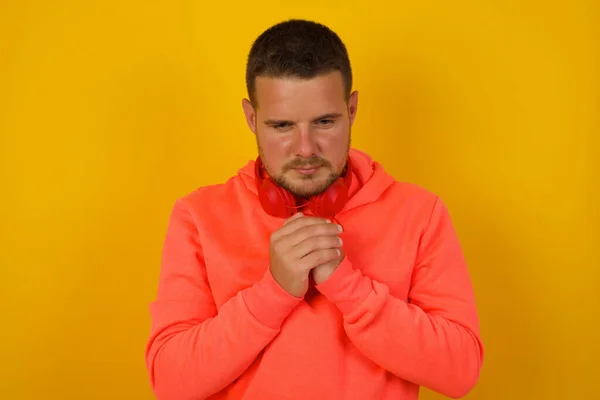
324	271
300	245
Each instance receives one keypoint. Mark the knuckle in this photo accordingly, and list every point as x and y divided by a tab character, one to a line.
329	229
326	241
276	246
319	229
319	242
273	237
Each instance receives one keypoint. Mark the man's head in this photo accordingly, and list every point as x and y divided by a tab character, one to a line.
301	106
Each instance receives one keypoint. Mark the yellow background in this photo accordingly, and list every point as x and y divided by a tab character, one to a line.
110	110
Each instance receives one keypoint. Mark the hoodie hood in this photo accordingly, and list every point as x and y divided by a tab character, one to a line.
369	179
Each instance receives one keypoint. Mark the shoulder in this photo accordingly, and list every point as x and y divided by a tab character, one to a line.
216	191
413	194
216	198
419	203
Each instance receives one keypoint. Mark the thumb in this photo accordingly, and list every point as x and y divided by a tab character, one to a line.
292	218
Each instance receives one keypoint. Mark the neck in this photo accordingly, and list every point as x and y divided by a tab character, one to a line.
301	201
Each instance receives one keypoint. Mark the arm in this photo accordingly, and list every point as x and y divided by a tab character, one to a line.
432	340
195	350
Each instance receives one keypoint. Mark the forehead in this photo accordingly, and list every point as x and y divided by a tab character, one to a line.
297	97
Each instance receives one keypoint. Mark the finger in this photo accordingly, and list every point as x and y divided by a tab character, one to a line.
293	217
332	264
314	243
293	225
282	231
319	257
307	231
312	230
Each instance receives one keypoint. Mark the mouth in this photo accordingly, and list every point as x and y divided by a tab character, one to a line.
307	170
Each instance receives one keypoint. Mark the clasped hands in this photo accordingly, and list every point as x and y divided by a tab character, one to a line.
305	245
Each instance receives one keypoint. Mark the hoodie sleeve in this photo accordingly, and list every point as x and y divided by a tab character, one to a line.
432	340
195	350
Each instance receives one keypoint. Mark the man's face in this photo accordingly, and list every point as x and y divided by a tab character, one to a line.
302	128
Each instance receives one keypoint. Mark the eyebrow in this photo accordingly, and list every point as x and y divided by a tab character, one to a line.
320	117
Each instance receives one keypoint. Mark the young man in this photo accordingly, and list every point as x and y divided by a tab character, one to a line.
312	273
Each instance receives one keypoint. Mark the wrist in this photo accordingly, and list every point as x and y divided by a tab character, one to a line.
268	302
346	287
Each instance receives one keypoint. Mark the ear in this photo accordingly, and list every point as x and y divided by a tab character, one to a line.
353	106
250	114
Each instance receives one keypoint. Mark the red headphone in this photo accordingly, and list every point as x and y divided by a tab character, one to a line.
278	202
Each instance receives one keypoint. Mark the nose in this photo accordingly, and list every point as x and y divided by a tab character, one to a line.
304	142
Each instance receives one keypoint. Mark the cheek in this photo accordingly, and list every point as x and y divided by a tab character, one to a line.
336	139
276	145
274	151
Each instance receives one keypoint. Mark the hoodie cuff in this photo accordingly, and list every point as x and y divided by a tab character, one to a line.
346	287
268	302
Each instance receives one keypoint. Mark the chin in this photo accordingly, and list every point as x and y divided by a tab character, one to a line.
308	185
307	191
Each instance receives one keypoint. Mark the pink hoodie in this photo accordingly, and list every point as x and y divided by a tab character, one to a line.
398	313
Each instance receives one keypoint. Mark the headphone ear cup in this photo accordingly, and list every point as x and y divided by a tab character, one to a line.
276	201
330	202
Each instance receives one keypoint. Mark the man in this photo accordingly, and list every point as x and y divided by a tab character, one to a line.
312	273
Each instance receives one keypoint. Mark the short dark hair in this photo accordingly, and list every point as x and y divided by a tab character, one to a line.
297	48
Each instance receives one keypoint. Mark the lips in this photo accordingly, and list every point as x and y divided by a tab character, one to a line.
308	170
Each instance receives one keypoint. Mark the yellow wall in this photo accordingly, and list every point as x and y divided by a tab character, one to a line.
110	110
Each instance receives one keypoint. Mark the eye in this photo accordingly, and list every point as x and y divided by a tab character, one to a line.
282	126
325	122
